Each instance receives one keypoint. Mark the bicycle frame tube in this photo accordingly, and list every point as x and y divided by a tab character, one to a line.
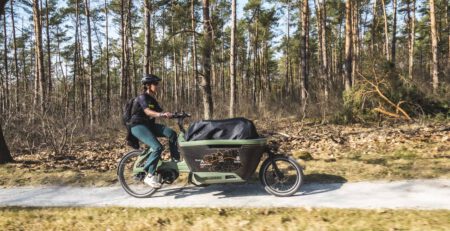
170	165
142	158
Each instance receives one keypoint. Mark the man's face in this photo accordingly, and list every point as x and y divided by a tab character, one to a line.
154	87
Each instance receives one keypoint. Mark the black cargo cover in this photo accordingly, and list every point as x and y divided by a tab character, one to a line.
229	129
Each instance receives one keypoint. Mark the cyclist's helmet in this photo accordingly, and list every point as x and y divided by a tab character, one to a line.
149	79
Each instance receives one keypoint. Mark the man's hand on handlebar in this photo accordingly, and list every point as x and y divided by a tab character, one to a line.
174	115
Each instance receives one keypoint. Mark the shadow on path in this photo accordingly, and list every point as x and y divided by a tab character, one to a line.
310	186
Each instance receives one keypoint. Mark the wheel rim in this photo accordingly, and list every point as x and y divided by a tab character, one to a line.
133	183
289	176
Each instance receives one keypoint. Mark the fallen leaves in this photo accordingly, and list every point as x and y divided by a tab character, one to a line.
330	142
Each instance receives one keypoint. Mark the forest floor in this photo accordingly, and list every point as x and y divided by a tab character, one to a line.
331	154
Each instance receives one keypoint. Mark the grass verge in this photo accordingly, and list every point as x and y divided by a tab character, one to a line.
13	176
220	219
376	167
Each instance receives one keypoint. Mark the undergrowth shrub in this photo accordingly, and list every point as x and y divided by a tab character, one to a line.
381	91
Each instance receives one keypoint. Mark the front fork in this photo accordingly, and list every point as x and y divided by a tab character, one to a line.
271	157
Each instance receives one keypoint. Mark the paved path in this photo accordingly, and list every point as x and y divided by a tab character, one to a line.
418	194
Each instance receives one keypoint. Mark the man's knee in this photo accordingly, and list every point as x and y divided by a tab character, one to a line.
171	134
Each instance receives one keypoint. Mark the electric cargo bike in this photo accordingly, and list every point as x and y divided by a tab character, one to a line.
214	161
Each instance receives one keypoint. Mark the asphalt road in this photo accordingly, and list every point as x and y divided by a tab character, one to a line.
415	194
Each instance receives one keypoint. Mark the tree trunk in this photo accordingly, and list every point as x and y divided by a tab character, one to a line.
222	65
76	55
322	46
5	59
434	47
133	59
124	52
447	16
394	31
411	35
205	80
49	57
325	66
16	62
91	74
130	71
255	64
233	60
247	61
175	85
348	45
304	83
287	61
108	76
40	76
194	52
386	32
147	27
182	71
5	155
82	78
355	38
374	25
2	96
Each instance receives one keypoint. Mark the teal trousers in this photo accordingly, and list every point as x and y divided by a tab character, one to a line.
148	135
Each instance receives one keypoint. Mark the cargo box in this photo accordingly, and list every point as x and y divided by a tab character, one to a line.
234	156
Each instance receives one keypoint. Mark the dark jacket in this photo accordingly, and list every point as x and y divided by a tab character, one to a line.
140	118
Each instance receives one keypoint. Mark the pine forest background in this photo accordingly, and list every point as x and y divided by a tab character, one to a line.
69	66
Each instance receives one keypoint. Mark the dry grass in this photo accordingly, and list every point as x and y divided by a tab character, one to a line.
220	219
395	165
12	175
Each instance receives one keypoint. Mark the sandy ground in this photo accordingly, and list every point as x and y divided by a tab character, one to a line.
415	194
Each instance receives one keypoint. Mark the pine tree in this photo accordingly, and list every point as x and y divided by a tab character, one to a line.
434	47
233	61
348	45
205	84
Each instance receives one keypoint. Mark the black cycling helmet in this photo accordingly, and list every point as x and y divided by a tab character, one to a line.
149	79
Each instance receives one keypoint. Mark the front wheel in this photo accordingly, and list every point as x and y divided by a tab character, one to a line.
132	182
281	176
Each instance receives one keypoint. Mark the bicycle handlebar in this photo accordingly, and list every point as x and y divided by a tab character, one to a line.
180	115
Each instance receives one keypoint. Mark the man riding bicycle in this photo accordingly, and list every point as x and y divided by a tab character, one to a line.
144	128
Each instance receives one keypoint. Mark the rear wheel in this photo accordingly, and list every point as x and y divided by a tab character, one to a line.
133	183
281	175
